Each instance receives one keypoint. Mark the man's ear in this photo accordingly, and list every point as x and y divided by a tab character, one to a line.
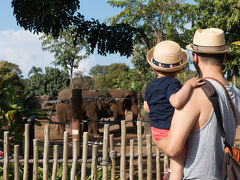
195	58
224	58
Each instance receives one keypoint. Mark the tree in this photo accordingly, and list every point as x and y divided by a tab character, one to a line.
13	111
82	81
34	70
98	70
67	53
117	76
10	72
45	16
159	19
52	17
220	14
49	83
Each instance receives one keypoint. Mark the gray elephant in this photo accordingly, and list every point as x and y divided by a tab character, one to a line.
93	109
126	100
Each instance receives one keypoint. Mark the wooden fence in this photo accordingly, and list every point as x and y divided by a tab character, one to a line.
133	165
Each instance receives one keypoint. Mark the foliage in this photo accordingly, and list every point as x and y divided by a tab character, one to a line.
13	111
117	76
52	17
82	81
100	174
67	52
220	14
159	19
185	75
34	70
45	16
232	67
11	72
49	83
98	70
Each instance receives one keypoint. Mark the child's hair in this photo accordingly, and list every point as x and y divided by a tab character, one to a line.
170	74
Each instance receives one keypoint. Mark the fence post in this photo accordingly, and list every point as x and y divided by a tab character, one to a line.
149	156
65	156
46	151
131	159
105	152
75	157
113	159
77	117
16	162
94	162
55	162
30	121
6	156
84	156
35	159
158	169
140	150
123	151
26	152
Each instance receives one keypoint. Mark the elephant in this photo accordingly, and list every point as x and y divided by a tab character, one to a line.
128	100
92	109
39	102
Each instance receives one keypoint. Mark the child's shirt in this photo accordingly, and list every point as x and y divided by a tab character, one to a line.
157	95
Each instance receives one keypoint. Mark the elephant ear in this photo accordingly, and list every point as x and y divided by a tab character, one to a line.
103	103
130	99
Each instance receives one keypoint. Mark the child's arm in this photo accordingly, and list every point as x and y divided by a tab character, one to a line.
178	99
146	107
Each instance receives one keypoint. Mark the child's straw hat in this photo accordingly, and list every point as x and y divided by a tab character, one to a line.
167	56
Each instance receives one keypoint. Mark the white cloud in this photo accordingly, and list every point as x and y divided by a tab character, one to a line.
24	49
86	64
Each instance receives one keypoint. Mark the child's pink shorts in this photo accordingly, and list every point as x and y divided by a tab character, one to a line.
158	134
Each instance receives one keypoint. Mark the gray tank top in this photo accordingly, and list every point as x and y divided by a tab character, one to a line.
205	146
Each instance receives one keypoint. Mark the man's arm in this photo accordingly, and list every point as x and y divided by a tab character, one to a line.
182	123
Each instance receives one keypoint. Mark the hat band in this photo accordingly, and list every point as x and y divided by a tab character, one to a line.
208	48
164	65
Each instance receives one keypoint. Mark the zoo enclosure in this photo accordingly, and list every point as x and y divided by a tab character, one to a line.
107	159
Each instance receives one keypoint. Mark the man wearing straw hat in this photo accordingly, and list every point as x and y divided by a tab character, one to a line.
164	93
196	122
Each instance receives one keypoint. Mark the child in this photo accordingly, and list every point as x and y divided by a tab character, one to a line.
165	93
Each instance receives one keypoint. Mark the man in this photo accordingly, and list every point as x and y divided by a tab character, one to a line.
196	122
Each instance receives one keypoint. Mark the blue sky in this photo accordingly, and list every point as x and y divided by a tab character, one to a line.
24	48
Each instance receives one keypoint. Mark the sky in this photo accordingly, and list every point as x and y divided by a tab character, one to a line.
24	48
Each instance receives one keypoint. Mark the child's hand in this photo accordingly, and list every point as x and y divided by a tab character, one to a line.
195	82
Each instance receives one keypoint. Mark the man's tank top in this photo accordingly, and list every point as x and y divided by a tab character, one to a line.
205	146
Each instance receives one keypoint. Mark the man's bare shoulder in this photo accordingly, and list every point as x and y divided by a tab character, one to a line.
202	105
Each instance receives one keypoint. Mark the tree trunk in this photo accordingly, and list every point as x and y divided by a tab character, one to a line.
71	78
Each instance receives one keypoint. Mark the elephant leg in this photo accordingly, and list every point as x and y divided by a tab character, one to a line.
120	127
90	129
61	129
95	130
134	121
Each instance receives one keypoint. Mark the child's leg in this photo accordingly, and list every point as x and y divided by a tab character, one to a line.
176	166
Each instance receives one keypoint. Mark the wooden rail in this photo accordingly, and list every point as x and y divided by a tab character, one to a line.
131	166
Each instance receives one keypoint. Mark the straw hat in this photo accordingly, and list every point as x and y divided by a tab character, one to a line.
210	41
167	56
